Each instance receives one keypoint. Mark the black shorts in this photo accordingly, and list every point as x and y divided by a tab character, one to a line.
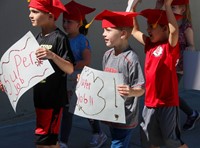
160	127
47	126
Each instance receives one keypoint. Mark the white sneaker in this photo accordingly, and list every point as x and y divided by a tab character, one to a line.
97	140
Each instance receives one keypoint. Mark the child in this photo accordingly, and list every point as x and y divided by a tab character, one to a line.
74	25
159	126
121	58
50	94
186	41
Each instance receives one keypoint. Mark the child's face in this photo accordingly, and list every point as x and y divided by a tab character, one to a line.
71	26
112	37
157	33
39	18
178	9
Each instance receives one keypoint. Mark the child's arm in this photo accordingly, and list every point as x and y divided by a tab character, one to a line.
137	34
86	59
64	65
159	4
189	34
126	91
172	23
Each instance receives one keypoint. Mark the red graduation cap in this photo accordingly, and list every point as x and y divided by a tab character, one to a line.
157	16
76	11
116	18
180	2
53	6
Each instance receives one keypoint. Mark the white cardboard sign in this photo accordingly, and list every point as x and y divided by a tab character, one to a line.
97	96
20	69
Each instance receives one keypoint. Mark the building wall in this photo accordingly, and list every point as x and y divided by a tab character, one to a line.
15	23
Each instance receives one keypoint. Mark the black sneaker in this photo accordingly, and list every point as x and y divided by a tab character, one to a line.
191	121
98	140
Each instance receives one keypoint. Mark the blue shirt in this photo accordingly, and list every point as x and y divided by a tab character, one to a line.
78	45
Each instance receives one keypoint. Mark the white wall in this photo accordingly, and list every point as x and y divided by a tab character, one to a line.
15	23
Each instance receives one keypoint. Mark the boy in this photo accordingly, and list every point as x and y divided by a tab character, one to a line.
159	124
50	94
121	58
186	42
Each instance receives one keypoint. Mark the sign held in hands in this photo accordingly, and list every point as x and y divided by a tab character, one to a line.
97	96
20	69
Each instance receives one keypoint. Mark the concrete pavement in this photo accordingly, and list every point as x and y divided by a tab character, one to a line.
18	132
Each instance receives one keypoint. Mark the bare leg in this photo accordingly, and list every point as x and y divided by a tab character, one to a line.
183	146
48	146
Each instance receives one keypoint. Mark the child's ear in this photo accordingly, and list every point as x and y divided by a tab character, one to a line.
51	15
124	34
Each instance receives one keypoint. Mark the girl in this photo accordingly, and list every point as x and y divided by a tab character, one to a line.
186	41
74	25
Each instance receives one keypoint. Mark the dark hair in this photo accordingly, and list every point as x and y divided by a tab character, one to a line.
82	29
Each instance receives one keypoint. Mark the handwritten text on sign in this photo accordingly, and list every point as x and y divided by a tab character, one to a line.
97	97
20	69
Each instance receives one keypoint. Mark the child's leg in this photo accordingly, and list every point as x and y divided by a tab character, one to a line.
95	126
150	133
169	125
192	115
183	146
66	125
185	107
47	126
120	137
99	137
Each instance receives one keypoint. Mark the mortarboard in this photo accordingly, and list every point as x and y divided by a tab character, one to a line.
115	18
180	2
157	16
53	6
76	11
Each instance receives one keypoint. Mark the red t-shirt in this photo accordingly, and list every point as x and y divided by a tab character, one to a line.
160	73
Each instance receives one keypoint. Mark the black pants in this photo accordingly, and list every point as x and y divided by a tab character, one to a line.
183	105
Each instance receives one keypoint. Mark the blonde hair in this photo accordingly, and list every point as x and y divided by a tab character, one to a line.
187	14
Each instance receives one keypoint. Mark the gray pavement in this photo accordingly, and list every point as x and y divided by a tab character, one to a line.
18	132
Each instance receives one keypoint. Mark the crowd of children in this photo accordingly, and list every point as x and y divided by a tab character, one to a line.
169	30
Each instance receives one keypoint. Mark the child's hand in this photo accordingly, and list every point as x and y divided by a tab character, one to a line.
168	2
78	77
43	53
124	90
1	87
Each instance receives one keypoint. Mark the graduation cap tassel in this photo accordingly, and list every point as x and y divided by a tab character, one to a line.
88	25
